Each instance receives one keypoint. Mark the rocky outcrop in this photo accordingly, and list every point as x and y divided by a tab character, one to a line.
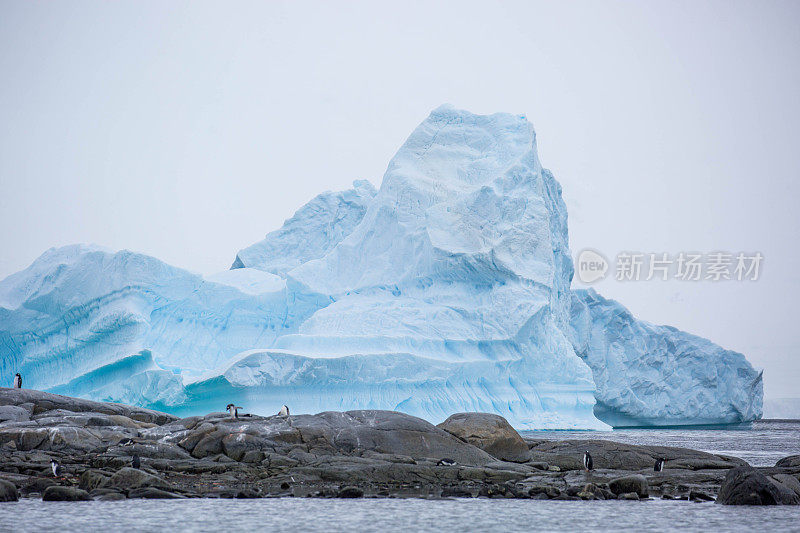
8	491
491	433
747	486
332	454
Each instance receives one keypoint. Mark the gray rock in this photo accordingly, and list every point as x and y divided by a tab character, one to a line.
13	413
628	496
623	485
350	492
747	486
44	401
111	497
491	433
8	491
153	493
132	478
791	461
58	493
788	481
92	479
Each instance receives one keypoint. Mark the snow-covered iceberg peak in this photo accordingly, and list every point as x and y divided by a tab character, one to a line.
314	229
458	270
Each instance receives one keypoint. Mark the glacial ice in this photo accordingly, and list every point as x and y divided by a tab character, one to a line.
446	290
648	375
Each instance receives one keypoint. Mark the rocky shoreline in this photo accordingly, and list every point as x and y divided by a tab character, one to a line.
342	454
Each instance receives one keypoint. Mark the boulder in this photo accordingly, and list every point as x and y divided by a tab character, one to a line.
491	433
132	478
58	493
747	486
627	484
350	492
788	481
789	462
8	491
153	494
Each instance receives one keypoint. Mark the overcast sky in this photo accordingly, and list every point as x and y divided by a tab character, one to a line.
189	130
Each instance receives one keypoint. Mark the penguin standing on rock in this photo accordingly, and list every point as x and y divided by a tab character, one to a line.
17	381
659	466
233	410
588	464
57	469
284	411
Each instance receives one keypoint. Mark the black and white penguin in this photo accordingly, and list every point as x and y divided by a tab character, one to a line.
233	410
57	469
125	442
588	464
446	461
136	462
659	466
17	381
284	411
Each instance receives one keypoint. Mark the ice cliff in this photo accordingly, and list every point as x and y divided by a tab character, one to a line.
446	290
648	375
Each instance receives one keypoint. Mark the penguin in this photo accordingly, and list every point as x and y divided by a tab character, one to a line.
58	470
136	462
17	381
588	464
659	466
125	442
284	411
233	410
446	461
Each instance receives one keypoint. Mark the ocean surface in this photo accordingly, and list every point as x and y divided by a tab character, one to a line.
761	444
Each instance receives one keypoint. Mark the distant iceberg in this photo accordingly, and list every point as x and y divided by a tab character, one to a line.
446	290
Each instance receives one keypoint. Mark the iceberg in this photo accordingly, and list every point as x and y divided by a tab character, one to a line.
446	290
648	375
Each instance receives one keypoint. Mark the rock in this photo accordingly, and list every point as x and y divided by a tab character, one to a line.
111	497
788	481
549	492
45	401
209	445
8	491
568	455
92	479
747	486
13	413
153	493
236	445
635	483
39	485
491	433
58	493
350	492
132	478
628	496
698	496
791	461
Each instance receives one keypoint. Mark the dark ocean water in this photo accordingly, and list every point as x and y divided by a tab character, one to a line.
762	444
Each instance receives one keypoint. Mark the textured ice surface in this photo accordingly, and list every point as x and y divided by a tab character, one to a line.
314	229
124	326
446	290
658	375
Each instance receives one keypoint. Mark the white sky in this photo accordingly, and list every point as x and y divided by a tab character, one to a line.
189	130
